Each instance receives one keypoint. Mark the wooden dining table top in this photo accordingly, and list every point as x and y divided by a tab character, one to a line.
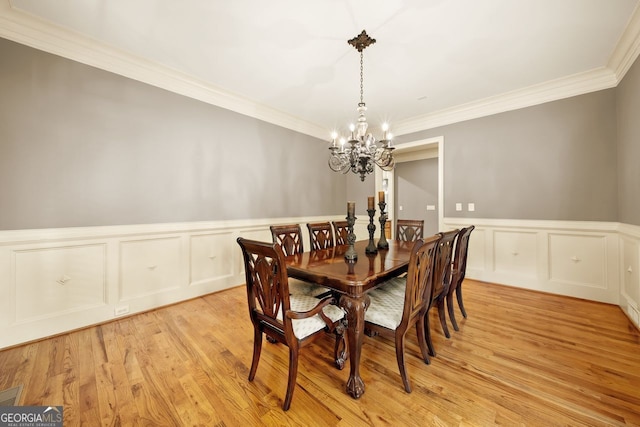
329	268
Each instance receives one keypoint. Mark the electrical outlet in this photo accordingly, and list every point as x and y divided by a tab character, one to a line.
431	207
123	309
471	207
458	206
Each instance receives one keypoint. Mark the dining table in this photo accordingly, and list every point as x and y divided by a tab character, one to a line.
351	281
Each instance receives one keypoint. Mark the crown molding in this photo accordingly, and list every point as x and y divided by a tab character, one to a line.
32	31
624	55
628	47
565	87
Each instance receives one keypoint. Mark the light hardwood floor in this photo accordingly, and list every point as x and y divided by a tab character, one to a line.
521	358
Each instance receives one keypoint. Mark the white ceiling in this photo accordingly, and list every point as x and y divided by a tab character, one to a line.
288	61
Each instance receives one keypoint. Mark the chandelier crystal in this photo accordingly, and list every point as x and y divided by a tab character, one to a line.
361	151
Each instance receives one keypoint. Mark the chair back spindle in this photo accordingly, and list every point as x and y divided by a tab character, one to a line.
320	235
289	237
341	231
409	230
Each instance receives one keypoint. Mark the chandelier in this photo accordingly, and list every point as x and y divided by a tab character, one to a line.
361	151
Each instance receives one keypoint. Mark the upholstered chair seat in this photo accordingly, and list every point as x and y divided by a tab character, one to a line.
302	328
387	309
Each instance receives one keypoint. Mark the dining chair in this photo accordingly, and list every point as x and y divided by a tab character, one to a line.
402	303
289	237
458	272
409	230
340	230
320	235
441	281
293	320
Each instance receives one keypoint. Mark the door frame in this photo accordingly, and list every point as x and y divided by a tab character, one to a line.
415	150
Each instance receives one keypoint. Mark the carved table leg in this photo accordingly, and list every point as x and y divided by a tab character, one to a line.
355	308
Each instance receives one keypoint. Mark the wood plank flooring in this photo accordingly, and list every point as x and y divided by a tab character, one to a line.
521	358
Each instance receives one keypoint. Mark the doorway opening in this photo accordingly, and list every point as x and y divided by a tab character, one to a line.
409	151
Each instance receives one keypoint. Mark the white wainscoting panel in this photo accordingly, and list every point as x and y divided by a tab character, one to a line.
56	280
150	267
515	252
573	258
630	265
211	257
630	271
478	247
578	259
51	281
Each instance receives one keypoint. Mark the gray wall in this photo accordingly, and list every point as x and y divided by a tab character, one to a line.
416	186
555	161
358	191
81	147
628	109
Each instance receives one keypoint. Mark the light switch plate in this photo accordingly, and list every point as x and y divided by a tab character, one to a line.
431	207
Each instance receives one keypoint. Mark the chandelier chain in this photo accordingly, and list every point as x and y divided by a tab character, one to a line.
361	77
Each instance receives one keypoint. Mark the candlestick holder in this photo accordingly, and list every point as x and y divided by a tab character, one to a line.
371	247
351	254
382	243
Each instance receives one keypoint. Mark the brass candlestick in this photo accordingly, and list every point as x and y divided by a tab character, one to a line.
382	243
371	247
